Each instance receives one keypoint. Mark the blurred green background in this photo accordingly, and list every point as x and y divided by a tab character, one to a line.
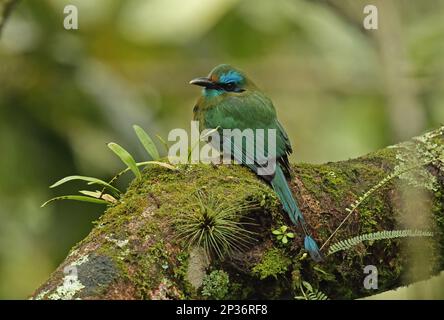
340	91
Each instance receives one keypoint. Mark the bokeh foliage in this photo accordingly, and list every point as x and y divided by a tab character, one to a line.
340	91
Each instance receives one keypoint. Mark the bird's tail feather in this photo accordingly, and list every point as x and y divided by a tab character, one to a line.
280	186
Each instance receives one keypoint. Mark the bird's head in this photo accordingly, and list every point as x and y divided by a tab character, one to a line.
224	80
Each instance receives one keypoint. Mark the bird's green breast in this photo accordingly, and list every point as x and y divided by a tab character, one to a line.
238	111
202	110
251	110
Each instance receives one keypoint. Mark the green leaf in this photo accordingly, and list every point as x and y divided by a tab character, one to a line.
91	180
284	228
320	270
99	195
307	286
141	164
164	143
94	194
276	232
77	198
147	142
324	274
158	163
279	237
379	235
284	240
290	235
126	158
209	133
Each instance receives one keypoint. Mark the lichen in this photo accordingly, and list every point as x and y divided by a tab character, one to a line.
41	295
71	284
68	290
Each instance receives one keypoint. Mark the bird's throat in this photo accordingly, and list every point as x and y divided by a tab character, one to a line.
211	93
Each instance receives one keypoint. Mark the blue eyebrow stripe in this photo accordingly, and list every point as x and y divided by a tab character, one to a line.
231	76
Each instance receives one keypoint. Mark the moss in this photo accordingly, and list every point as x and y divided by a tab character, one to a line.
372	214
273	263
162	193
170	194
180	274
438	227
326	179
138	239
151	267
336	186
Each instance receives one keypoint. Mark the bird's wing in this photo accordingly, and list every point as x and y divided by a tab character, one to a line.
254	111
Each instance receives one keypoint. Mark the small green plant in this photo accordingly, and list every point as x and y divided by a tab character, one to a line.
282	235
126	158
214	226
274	262
109	193
381	235
215	285
309	293
147	142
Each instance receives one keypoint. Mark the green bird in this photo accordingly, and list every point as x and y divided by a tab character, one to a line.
230	100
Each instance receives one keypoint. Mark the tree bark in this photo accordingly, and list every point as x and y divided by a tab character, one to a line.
133	251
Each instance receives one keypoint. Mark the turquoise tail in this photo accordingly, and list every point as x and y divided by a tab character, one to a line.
280	186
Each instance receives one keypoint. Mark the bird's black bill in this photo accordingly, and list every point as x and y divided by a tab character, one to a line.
203	82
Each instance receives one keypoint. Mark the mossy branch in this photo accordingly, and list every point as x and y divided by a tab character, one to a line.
134	250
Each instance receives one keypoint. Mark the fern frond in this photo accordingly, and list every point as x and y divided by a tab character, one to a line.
318	295
380	235
310	293
352	208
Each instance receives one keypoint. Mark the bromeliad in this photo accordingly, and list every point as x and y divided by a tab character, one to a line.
230	100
